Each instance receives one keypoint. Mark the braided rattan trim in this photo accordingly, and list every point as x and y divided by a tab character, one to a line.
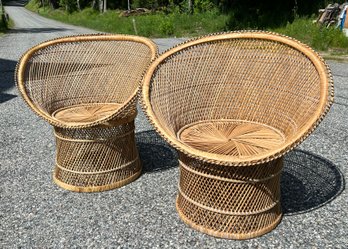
225	212
117	184
97	172
326	100
95	140
237	236
20	71
251	181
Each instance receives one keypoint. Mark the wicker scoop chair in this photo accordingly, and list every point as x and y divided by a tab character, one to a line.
232	105
86	88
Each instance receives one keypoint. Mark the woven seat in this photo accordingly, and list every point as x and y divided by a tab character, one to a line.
85	113
232	105
86	88
233	138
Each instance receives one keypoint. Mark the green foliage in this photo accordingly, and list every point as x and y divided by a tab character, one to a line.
151	25
309	7
172	21
3	26
257	14
198	24
319	38
151	4
204	6
166	26
69	5
254	14
33	5
3	21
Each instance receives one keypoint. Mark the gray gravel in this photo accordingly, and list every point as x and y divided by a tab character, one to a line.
34	212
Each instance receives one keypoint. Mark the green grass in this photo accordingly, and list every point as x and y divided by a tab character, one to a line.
150	25
184	25
322	39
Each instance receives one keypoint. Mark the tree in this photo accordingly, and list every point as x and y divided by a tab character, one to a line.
190	6
267	13
69	5
101	6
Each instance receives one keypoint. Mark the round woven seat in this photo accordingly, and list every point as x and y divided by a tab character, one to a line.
231	137
85	113
86	87
233	105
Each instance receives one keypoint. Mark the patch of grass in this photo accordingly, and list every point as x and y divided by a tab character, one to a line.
320	38
33	5
150	25
184	25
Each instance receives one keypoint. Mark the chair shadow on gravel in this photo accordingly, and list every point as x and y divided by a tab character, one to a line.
7	68
155	153
308	181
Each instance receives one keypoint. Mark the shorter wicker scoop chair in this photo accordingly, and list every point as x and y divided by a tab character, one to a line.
86	88
232	105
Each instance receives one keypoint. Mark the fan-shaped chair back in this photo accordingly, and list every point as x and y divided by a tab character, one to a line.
76	70
252	77
86	87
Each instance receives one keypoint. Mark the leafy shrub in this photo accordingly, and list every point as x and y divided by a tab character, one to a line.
319	38
246	14
166	26
3	21
204	5
149	4
69	5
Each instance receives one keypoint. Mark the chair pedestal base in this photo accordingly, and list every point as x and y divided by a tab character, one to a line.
96	159
233	202
114	185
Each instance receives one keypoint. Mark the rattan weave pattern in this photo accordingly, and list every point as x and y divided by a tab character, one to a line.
86	87
231	202
96	158
233	104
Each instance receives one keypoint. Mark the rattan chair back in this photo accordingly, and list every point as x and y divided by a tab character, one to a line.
251	77
79	70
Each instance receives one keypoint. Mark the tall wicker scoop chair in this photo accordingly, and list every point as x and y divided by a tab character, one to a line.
86	88
232	105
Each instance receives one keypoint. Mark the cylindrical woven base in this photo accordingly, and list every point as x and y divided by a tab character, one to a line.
229	202
96	159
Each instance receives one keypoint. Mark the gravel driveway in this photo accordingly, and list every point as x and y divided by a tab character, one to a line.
34	212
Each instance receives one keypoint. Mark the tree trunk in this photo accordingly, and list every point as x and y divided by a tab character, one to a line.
100	3
94	5
190	6
104	9
78	5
